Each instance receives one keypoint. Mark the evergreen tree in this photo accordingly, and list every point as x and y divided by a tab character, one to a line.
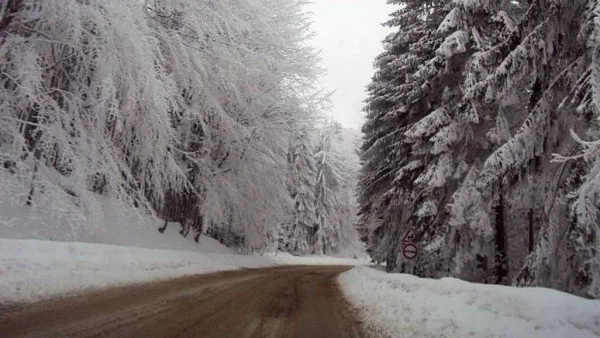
322	220
414	127
329	195
474	235
301	185
384	155
566	253
470	101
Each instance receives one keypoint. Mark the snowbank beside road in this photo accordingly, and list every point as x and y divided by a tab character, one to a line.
32	270
289	259
107	222
399	305
108	245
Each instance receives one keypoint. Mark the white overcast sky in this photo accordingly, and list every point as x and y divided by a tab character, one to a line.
349	34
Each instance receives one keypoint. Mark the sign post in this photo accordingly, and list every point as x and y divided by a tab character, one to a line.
409	248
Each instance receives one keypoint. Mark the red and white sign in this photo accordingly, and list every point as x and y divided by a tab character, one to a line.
409	236
410	251
409	248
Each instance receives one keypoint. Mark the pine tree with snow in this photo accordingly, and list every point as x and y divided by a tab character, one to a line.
384	155
469	103
334	221
566	252
473	232
415	120
300	231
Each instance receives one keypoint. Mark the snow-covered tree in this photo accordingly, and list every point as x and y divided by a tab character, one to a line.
566	253
335	201
544	59
412	152
384	154
178	108
85	105
470	100
301	184
322	187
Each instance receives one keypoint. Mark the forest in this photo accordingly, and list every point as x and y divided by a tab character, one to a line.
482	144
204	113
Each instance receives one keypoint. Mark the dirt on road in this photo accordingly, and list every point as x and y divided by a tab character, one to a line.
291	301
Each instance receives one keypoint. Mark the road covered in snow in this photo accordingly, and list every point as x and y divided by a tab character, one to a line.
291	301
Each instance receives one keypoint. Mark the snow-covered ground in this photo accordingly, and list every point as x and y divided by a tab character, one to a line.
53	248
399	305
32	269
104	221
288	259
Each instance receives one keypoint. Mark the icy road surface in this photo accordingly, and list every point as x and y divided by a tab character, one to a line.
291	301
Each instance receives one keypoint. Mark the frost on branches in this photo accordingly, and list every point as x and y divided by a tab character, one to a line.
467	143
322	185
182	109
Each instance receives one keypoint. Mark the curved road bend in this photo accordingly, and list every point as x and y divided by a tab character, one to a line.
290	301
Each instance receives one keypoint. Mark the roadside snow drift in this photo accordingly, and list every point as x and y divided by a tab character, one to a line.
285	258
399	305
32	270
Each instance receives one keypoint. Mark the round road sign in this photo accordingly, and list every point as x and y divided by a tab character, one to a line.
410	251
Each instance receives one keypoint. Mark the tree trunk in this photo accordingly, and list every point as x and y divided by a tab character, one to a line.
8	9
162	230
500	239
185	227
531	230
32	188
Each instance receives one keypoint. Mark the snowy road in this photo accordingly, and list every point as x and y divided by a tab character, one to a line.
291	301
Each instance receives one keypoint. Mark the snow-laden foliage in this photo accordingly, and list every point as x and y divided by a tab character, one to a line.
298	235
396	100
334	205
178	108
322	184
470	100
